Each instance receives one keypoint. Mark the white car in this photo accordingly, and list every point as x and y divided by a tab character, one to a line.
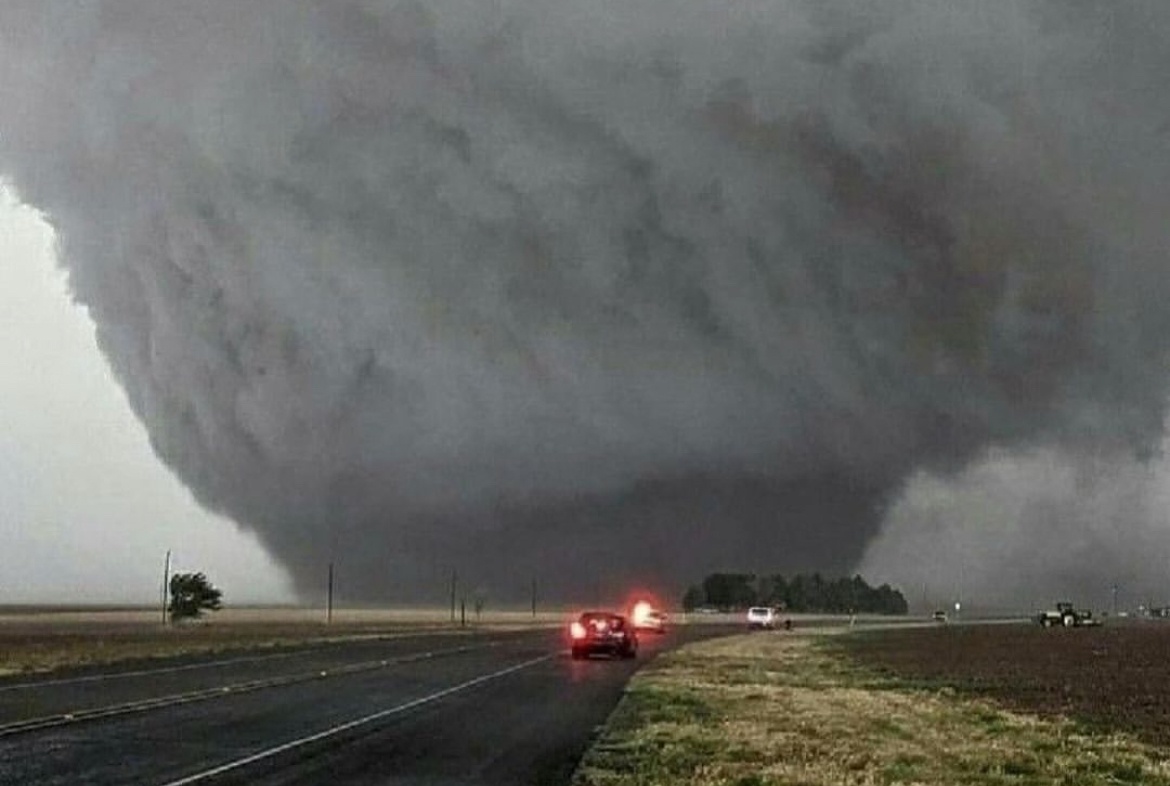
761	617
654	621
646	617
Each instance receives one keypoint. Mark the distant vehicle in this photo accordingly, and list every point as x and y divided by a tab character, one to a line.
646	617
653	621
759	617
604	633
940	616
706	610
1066	615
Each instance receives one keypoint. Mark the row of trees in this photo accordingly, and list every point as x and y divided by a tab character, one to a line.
191	594
801	593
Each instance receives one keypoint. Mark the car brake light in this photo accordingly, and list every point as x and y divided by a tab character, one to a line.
577	630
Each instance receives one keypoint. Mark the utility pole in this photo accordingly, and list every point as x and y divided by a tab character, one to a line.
1114	600
166	585
329	597
454	583
534	598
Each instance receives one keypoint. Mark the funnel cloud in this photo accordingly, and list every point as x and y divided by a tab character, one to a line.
605	292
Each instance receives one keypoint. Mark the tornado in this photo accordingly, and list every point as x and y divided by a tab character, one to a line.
610	292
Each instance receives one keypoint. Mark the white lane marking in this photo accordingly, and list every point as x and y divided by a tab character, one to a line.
213	664
353	724
176	699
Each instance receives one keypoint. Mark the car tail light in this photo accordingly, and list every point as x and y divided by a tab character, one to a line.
577	630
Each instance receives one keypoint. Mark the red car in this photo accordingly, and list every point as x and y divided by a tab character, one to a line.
604	633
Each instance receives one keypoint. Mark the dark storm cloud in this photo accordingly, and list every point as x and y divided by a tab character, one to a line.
480	281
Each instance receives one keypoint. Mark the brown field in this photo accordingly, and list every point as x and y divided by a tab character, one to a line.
1114	678
39	639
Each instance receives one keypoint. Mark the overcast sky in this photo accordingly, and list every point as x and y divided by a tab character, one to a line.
86	510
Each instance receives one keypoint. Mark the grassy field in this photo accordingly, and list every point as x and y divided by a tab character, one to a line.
778	708
38	640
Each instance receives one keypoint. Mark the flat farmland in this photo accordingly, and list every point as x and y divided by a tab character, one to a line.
38	639
43	639
1113	678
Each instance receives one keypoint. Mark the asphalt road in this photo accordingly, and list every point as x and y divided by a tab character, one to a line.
435	709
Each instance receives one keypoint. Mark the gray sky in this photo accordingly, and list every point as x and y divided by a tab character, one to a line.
86	510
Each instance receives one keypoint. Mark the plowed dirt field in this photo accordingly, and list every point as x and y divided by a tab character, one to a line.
1116	677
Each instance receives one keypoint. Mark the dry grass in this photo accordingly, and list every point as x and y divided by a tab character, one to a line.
43	640
783	709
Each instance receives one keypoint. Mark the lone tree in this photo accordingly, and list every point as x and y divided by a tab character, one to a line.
191	595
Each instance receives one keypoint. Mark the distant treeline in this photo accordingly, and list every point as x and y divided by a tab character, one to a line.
802	593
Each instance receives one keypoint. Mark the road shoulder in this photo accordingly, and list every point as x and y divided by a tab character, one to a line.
783	708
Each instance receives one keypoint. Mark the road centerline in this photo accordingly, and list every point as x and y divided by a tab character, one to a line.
292	652
365	720
220	691
119	675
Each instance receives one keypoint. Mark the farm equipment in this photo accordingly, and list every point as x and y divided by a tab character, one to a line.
1065	615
